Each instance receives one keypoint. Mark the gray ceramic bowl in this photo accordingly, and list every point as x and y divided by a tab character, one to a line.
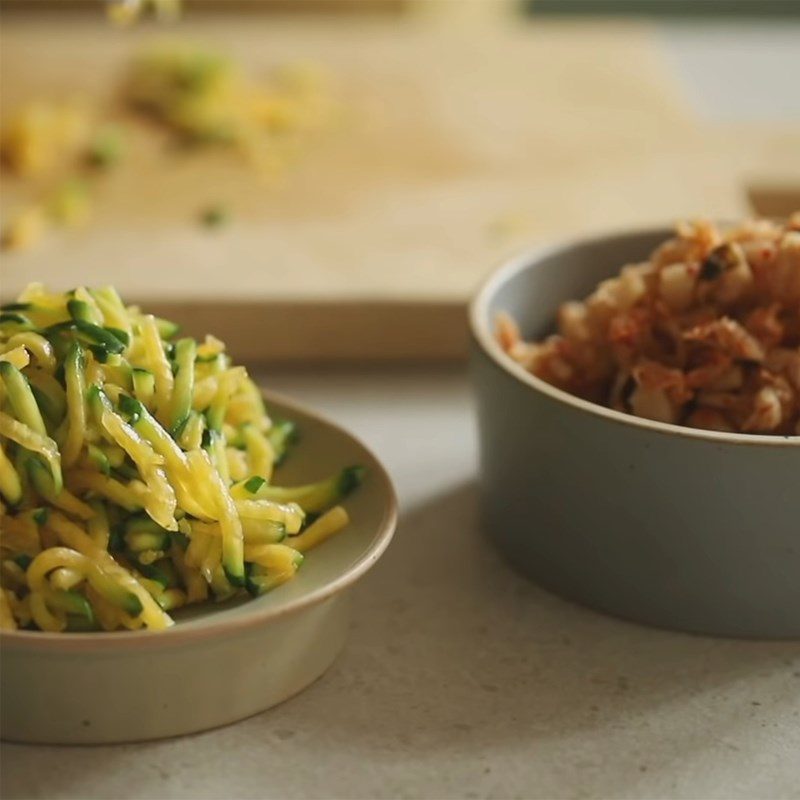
681	528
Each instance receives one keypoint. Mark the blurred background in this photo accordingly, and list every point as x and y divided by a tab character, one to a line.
320	180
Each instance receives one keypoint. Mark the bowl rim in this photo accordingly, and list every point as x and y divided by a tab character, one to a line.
482	335
251	615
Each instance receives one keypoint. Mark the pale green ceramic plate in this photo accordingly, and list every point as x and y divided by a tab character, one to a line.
220	663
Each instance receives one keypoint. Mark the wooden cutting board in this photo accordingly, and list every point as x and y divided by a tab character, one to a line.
455	146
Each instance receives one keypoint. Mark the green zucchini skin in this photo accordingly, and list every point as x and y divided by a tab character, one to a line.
118	333
25	408
350	479
142	533
80	310
41	478
269	533
258	583
254	483
180	539
17	322
162	571
21	398
22	561
235	577
314	497
99	459
50	397
41	515
166	329
100	340
214	415
116	594
97	400
116	539
11	484
75	364
72	603
100	336
144	383
185	354
133	409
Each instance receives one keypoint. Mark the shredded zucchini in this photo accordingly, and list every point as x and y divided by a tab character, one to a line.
136	471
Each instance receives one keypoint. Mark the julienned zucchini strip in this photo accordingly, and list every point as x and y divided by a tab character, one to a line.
136	472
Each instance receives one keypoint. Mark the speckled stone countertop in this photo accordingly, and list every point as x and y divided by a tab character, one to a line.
462	680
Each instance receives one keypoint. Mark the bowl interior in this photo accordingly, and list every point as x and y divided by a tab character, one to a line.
532	287
322	449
